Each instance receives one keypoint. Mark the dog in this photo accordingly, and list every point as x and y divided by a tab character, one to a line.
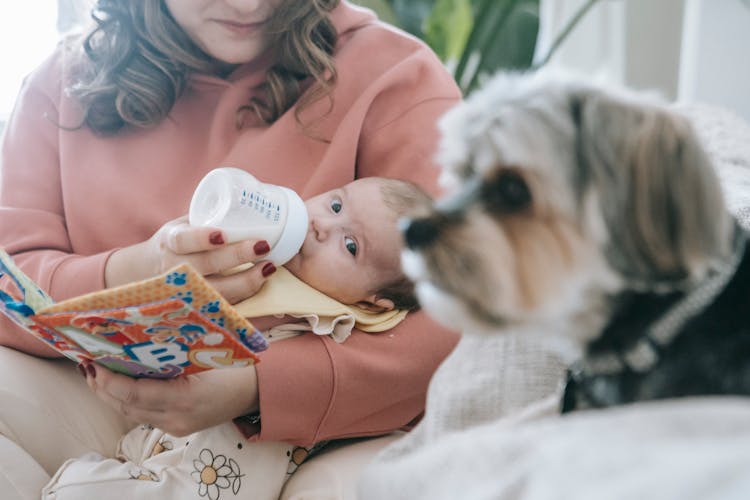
593	216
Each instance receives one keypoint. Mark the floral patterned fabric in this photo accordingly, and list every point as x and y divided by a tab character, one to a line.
214	464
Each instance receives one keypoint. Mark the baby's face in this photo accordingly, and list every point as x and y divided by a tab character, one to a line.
352	245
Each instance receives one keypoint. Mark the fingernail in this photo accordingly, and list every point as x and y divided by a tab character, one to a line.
91	370
216	238
268	269
261	248
81	370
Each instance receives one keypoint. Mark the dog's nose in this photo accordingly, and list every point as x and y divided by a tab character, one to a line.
420	233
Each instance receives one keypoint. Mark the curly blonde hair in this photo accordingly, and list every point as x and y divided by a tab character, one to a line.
137	60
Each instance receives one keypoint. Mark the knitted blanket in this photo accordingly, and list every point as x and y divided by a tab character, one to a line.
492	431
726	138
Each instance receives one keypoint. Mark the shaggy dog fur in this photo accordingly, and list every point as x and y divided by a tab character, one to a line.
593	216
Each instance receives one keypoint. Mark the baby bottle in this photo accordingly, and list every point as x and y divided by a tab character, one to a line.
245	208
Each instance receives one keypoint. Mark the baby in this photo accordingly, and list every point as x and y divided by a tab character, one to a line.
347	272
348	268
352	249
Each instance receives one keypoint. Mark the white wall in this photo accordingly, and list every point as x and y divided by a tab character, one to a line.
688	50
27	35
716	54
652	44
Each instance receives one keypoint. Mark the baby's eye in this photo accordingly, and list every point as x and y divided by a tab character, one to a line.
336	206
351	245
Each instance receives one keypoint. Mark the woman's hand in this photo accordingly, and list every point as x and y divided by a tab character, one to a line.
203	248
182	405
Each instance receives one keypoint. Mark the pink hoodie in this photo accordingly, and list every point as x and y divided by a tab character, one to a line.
68	199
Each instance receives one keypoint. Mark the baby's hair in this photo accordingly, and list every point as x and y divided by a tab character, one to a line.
403	198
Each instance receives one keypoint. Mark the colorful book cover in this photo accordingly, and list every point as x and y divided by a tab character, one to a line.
170	325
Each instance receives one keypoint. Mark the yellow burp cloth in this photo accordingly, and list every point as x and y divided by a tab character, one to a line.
284	293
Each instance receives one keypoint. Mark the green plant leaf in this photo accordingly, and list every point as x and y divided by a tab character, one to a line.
512	46
503	36
447	28
411	14
474	38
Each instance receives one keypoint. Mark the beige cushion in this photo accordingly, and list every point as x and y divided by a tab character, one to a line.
21	477
334	474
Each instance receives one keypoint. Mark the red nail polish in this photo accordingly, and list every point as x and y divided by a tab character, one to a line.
216	238
268	270
91	370
81	370
261	248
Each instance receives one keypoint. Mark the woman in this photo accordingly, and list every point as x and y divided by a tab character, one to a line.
110	136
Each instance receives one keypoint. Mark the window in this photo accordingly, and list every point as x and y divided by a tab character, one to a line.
28	33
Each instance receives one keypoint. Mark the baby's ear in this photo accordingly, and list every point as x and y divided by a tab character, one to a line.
376	304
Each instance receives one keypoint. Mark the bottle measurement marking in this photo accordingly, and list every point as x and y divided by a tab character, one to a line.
263	206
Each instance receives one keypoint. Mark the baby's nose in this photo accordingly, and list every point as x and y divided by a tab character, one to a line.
320	228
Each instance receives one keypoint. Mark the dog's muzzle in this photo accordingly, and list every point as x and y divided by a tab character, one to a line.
420	233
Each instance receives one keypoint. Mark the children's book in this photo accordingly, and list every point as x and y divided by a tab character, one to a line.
170	325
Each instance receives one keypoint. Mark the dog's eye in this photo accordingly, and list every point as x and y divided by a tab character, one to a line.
507	192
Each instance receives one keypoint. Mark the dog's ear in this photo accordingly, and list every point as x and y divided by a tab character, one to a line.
660	197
